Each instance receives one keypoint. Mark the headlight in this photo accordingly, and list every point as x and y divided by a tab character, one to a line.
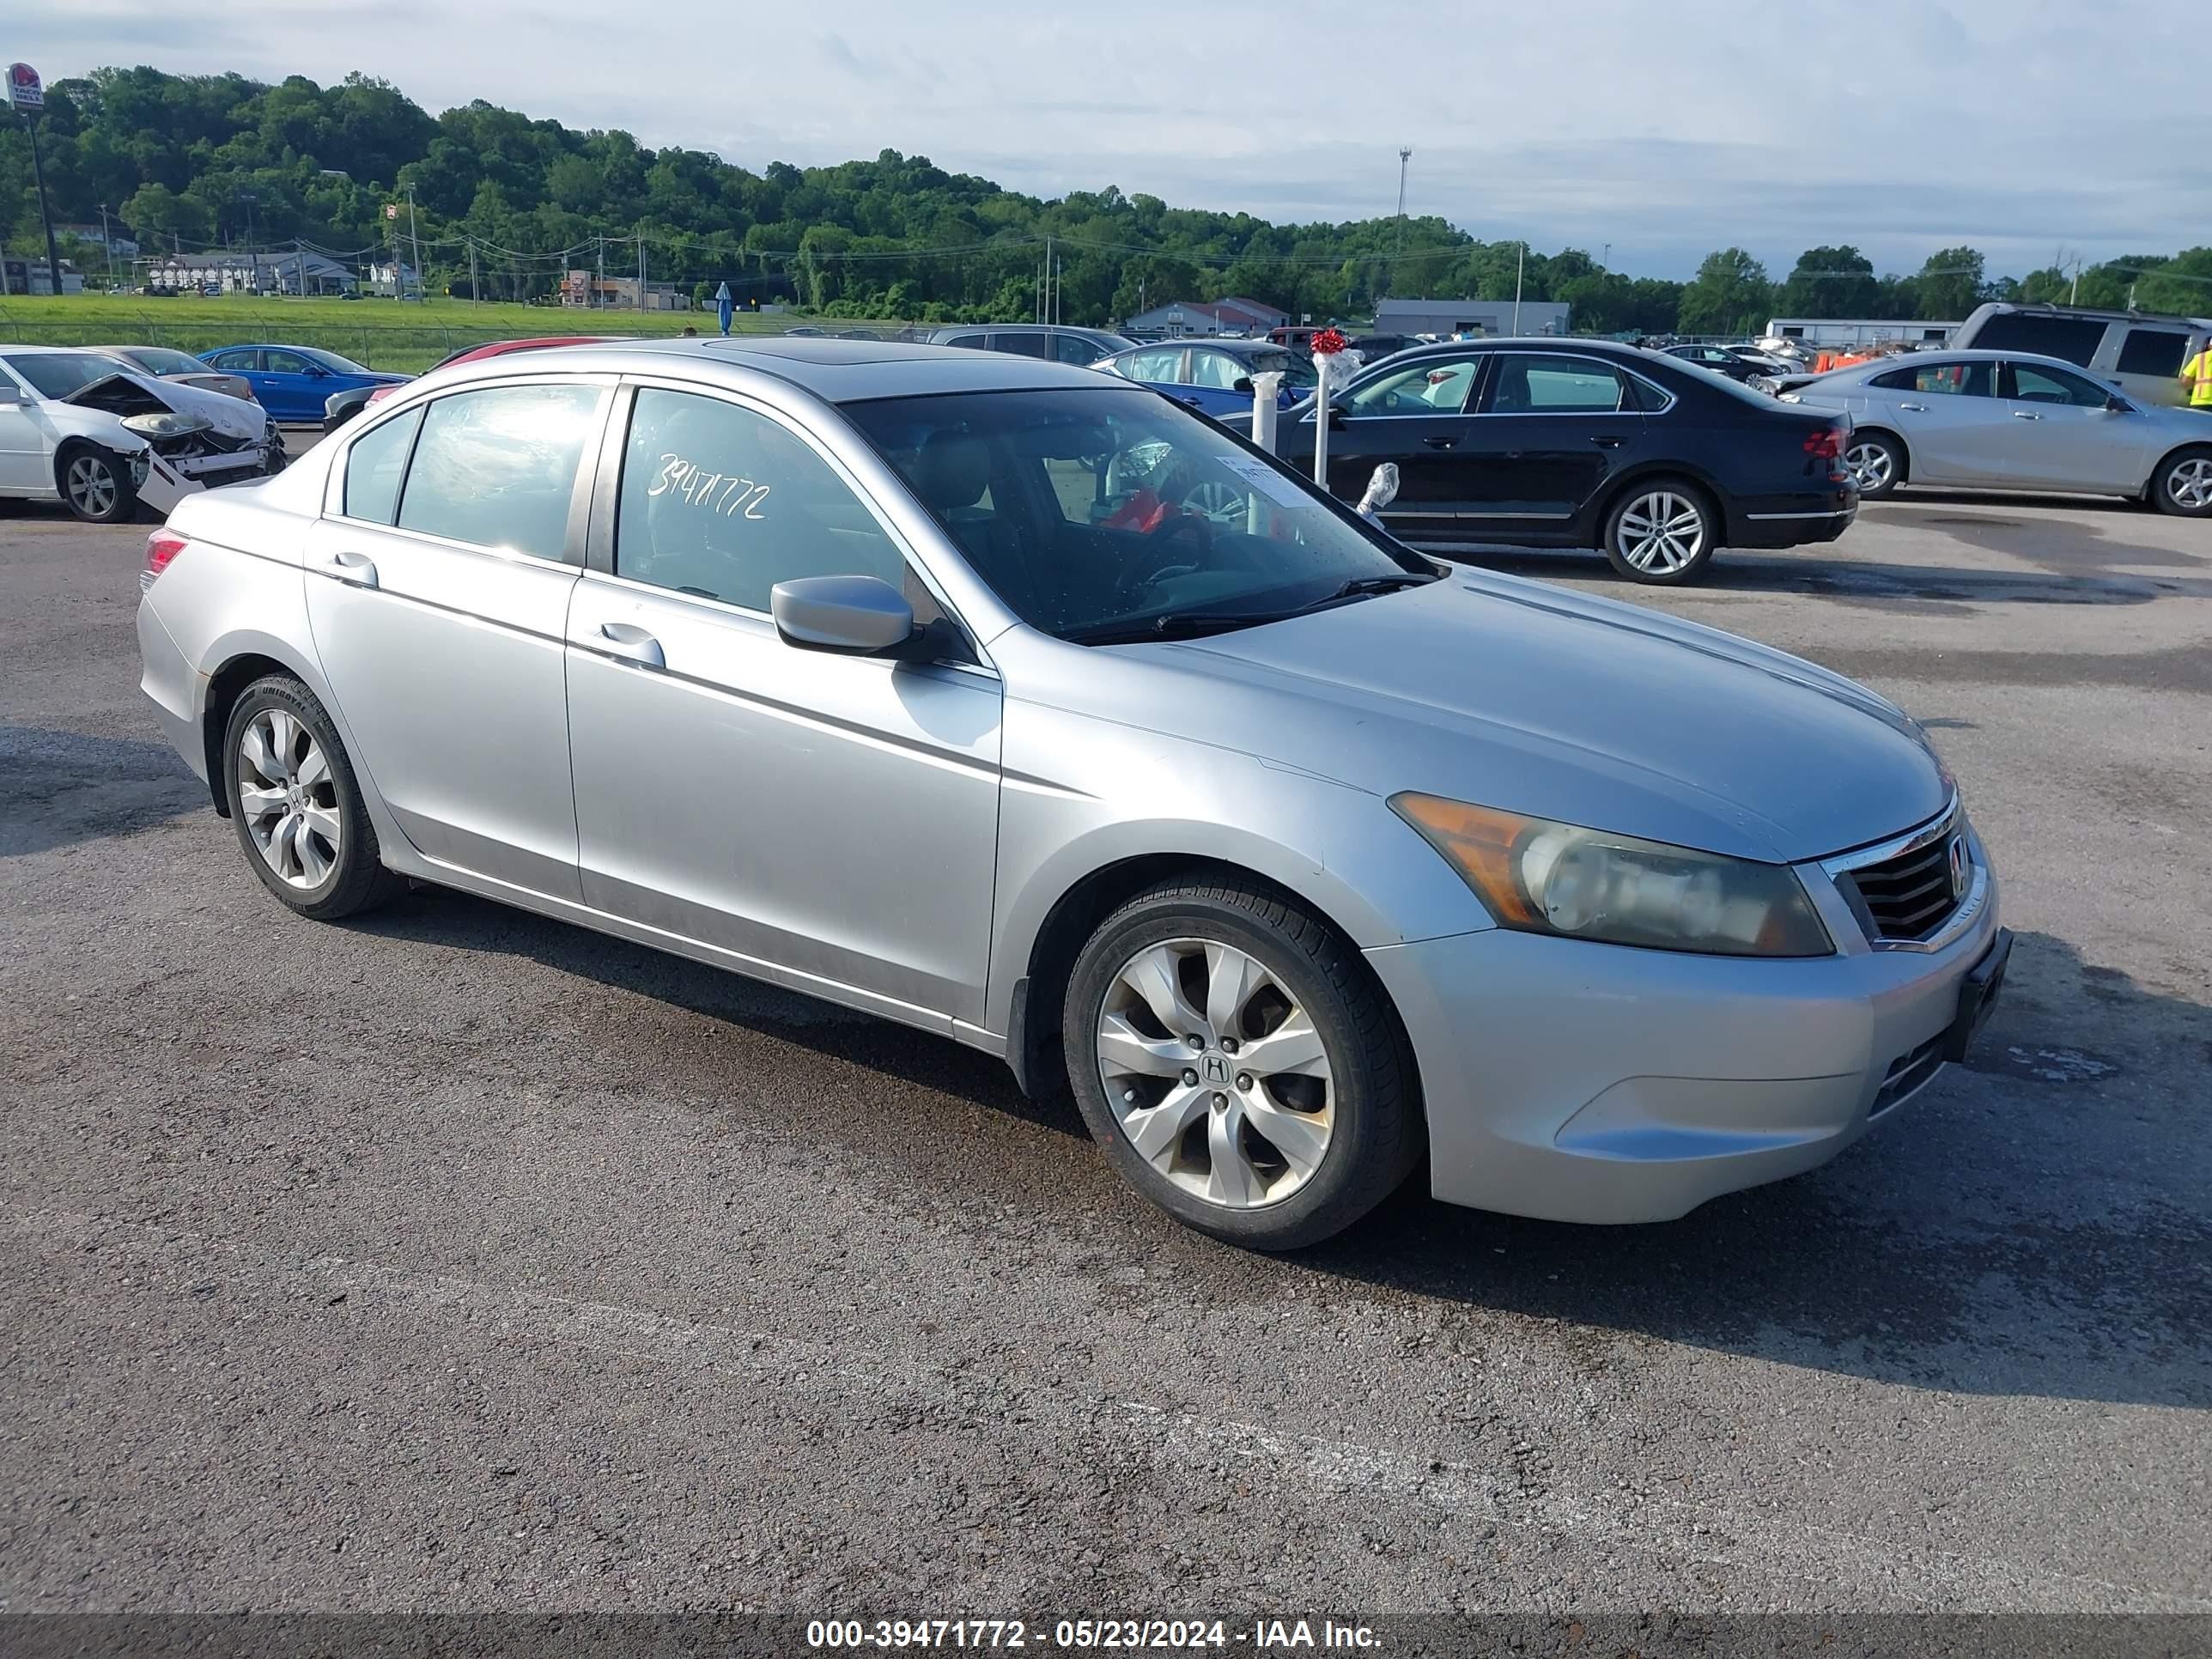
165	425
1538	877
1789	397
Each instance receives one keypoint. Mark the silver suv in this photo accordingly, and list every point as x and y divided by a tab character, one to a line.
2136	352
1055	342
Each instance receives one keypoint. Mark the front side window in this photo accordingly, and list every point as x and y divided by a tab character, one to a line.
2160	351
1529	383
1074	349
284	363
1099	515
1298	371
2032	385
1433	386
721	503
497	468
1938	379
374	466
1215	370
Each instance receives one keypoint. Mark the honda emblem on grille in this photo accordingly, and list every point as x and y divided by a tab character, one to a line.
1958	866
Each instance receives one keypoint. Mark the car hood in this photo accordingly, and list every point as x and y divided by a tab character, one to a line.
122	393
1540	701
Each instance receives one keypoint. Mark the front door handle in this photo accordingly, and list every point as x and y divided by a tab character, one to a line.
1607	440
1917	408
627	642
1439	443
354	569
2026	415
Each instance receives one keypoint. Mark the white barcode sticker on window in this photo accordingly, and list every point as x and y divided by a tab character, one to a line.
1265	479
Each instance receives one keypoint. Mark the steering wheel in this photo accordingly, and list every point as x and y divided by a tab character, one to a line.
1171	526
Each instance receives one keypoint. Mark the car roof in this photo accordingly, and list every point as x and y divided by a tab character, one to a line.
836	371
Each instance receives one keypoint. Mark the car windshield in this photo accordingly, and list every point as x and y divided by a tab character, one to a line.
159	359
1107	515
58	373
331	360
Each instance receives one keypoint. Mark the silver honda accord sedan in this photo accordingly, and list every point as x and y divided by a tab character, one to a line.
1022	705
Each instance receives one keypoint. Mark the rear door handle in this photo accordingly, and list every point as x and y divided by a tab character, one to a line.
627	642
1606	441
1439	443
354	569
2026	415
1917	408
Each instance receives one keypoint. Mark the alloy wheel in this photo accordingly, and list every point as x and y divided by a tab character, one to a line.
92	487
1870	466
1215	1072
2190	483
1661	533
289	799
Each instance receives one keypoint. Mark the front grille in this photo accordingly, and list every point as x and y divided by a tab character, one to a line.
1908	897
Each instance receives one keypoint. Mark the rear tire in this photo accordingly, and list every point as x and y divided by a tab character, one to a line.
296	805
2183	483
1663	531
1876	463
1274	1099
96	485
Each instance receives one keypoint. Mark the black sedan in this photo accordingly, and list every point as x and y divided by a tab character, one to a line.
1587	444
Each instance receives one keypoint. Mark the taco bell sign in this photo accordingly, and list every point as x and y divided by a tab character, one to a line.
25	90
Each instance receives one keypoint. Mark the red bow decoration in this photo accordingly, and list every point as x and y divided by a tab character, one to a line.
1329	342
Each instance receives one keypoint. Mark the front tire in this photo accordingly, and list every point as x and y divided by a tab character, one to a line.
96	485
1662	533
1876	463
2183	485
1239	1063
296	805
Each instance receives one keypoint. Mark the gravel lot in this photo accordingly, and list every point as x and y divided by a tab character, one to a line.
463	1258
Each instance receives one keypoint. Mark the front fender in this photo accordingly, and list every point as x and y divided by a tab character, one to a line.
1081	795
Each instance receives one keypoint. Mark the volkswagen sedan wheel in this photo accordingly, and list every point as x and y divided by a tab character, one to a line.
1662	534
1239	1065
297	807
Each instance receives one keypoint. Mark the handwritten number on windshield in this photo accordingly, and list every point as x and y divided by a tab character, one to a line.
719	492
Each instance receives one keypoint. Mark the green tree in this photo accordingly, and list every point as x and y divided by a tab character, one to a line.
1950	285
1832	281
1729	294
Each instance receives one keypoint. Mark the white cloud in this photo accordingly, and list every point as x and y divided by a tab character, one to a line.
1664	127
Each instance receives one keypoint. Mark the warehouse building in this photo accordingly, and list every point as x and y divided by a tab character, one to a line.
1469	316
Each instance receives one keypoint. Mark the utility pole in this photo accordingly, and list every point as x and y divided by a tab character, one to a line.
640	270
108	242
1519	257
601	284
1604	259
475	292
1047	279
415	235
1404	155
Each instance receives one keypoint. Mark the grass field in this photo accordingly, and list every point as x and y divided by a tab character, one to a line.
380	333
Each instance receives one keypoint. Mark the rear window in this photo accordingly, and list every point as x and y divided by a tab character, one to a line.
2070	339
2159	351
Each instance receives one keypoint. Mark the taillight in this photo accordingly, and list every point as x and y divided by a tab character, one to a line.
1825	445
163	546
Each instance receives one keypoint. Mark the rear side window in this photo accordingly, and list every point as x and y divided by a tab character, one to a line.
2070	339
721	503
1938	379
1533	385
374	466
971	342
2159	351
497	468
234	361
1022	343
1160	368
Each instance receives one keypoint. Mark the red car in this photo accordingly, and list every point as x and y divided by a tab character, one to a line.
345	405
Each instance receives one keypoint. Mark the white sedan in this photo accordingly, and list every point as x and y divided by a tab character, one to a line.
78	428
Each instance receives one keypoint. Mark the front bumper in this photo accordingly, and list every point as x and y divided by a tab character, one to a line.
1595	1083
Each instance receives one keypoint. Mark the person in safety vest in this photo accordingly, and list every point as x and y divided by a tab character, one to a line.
2197	375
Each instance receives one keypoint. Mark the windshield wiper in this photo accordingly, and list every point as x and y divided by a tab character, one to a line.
1173	625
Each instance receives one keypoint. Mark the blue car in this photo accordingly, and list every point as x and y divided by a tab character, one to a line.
292	382
1214	375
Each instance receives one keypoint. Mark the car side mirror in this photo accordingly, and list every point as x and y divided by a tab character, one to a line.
8	395
860	616
1242	385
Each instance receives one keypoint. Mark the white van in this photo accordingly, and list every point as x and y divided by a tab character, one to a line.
2139	353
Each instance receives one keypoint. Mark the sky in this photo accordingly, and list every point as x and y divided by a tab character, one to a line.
1662	129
